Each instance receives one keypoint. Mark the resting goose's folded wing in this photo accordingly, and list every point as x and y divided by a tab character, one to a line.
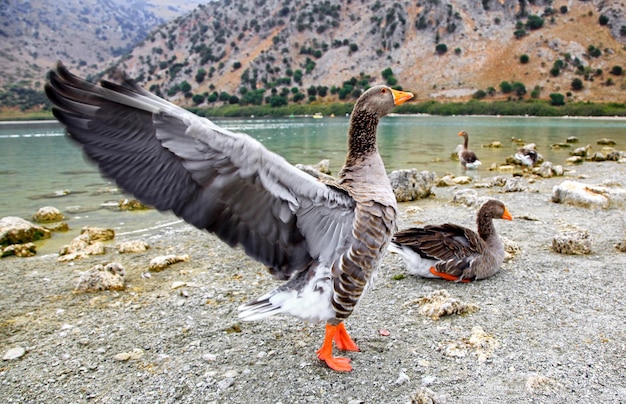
215	179
444	242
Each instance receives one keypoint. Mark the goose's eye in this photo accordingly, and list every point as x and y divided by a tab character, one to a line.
383	90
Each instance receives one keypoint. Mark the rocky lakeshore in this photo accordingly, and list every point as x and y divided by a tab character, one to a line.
549	327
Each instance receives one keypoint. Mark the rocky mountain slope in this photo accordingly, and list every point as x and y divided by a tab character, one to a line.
255	51
85	34
441	49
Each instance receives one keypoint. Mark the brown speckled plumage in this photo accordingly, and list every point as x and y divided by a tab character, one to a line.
325	240
467	157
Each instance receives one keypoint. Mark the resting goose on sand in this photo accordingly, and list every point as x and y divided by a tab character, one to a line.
468	158
453	252
324	240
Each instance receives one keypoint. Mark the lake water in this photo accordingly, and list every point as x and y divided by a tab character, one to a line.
39	166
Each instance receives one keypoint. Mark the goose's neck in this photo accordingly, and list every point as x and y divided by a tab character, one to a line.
465	141
361	136
486	229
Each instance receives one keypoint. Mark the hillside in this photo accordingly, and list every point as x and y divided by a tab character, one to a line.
86	35
229	48
283	51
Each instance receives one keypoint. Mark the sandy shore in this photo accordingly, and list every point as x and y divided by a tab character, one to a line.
553	326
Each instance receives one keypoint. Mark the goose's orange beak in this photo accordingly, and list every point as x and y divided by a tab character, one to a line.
506	215
400	97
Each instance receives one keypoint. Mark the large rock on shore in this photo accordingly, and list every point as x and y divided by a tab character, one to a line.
572	241
48	214
102	277
409	185
88	243
15	230
579	194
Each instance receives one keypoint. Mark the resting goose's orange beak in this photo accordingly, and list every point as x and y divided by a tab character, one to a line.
506	215
400	97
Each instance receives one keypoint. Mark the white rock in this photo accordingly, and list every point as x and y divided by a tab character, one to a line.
102	277
160	263
402	377
572	241
226	383
465	197
132	246
409	185
579	194
14	353
15	230
428	380
48	214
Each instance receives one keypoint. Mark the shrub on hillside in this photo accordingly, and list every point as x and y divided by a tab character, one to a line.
480	94
603	20
577	84
441	48
506	87
557	99
534	22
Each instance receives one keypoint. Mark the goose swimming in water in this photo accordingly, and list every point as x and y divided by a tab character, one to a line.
325	240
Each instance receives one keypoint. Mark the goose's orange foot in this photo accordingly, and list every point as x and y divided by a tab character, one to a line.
446	276
343	340
325	353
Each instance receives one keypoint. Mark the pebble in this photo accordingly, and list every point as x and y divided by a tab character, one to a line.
428	380
226	383
402	377
209	357
122	357
178	284
14	353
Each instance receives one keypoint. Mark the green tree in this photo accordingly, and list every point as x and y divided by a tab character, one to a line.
534	22
200	75
480	94
557	99
506	87
603	20
277	101
536	92
577	84
185	87
519	88
198	99
524	58
441	48
387	73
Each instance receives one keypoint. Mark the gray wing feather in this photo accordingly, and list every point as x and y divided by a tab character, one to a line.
215	179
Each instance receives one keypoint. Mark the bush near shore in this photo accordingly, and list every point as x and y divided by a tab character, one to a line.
529	107
473	107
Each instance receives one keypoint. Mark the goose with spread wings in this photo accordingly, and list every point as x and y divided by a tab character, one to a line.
454	252
325	240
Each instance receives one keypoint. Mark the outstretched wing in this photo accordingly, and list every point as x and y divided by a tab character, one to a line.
215	179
